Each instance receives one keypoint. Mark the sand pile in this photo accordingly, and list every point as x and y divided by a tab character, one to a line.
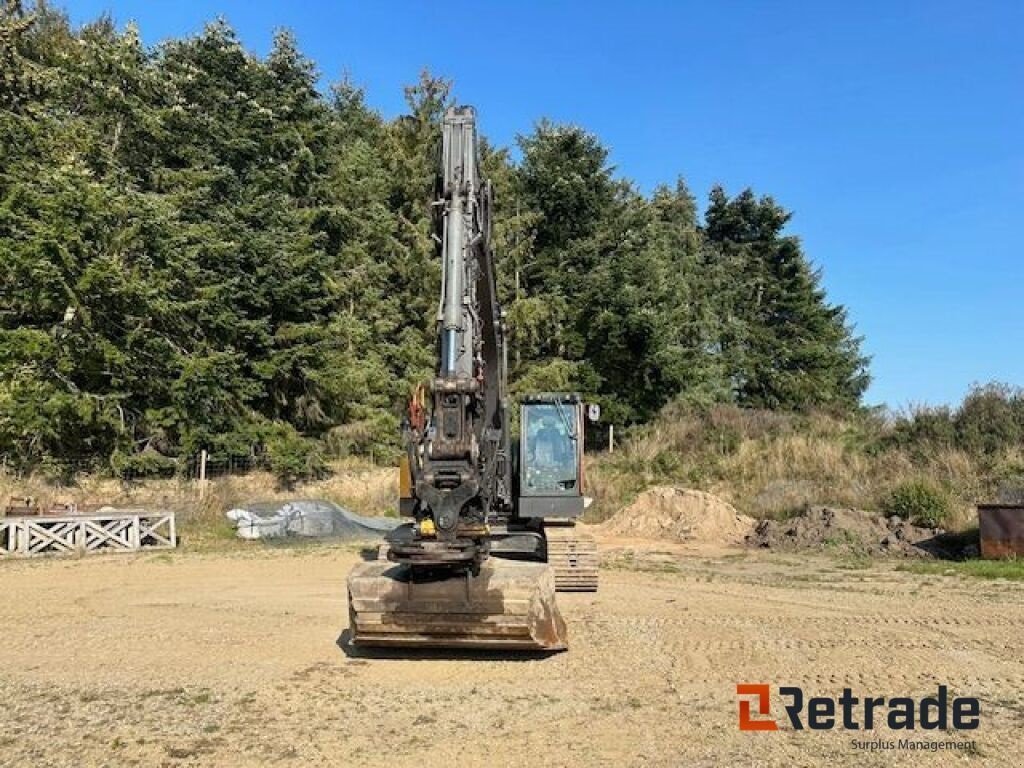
668	513
846	530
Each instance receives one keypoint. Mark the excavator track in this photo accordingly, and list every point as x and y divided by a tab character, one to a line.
573	557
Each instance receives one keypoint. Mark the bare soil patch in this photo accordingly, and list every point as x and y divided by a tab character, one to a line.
674	515
219	659
670	513
848	531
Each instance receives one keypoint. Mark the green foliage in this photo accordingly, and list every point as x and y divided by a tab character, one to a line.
990	419
376	437
783	346
925	429
292	458
135	466
1012	570
199	250
920	501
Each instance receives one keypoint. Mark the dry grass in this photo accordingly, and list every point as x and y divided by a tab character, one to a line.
354	484
773	465
767	464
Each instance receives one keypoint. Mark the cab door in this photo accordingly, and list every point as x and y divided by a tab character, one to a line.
551	459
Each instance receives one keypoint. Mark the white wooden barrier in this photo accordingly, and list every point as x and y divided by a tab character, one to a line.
115	532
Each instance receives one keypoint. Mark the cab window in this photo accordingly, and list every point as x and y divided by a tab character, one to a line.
550	449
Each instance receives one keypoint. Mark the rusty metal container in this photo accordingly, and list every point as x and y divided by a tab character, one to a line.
1002	530
21	506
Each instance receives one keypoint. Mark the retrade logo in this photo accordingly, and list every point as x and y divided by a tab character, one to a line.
763	693
940	712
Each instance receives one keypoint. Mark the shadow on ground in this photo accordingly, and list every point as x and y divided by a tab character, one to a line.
352	651
963	545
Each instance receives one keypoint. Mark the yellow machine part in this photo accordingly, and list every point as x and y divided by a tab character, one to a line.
404	478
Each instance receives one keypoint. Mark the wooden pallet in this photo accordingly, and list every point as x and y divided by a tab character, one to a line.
29	536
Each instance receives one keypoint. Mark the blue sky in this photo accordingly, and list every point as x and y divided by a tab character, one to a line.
893	131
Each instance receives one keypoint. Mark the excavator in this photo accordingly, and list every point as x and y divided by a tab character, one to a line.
493	532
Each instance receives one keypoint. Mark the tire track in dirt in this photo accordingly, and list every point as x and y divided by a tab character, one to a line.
243	667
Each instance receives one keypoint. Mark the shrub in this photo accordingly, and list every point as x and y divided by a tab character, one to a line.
925	429
378	436
989	419
667	463
293	458
919	501
144	464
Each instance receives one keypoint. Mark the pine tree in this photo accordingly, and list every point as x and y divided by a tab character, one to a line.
784	345
199	250
75	331
690	308
566	187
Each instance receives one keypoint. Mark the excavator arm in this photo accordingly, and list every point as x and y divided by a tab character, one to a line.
458	452
439	586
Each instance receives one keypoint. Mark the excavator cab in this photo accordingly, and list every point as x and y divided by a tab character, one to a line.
550	456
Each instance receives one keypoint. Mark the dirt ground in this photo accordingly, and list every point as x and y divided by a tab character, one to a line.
233	659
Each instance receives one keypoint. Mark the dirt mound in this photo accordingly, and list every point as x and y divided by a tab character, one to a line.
847	530
668	513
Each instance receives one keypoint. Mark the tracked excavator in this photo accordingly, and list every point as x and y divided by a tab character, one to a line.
493	533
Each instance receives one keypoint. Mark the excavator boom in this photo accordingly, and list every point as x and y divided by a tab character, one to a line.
439	586
458	459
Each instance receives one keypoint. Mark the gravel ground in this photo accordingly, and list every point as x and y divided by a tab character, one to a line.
233	659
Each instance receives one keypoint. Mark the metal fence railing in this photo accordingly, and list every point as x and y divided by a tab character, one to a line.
196	467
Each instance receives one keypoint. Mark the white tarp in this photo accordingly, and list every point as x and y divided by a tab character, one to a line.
306	517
